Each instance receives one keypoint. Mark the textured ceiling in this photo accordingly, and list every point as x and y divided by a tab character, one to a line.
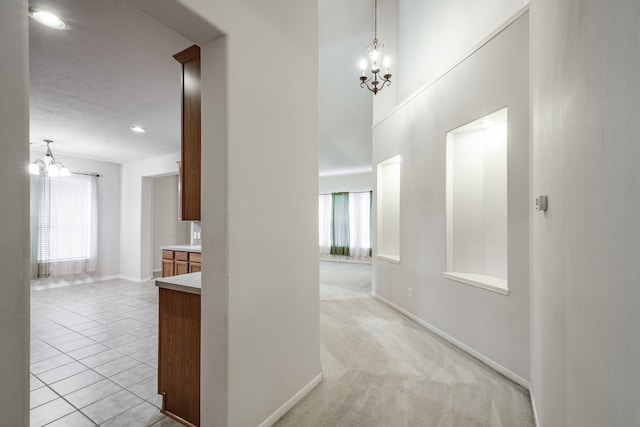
113	68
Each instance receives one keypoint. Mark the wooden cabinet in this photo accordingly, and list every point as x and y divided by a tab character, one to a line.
189	168
179	355
195	262
181	262
167	264
175	263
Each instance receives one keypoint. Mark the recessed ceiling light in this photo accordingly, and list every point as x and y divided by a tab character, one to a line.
138	129
47	18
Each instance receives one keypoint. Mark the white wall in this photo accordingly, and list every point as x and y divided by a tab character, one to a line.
135	228
491	325
262	348
585	62
273	305
167	230
14	211
352	183
108	188
434	35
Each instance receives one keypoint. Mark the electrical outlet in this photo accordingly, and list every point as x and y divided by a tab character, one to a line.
410	292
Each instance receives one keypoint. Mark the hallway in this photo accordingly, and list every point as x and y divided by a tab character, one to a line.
382	369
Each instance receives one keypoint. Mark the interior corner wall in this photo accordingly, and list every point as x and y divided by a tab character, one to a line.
353	183
492	326
132	248
108	188
585	62
14	211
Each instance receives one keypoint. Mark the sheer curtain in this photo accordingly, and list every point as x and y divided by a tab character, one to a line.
340	229
359	224
64	225
324	220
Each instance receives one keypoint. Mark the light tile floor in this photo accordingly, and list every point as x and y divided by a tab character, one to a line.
94	356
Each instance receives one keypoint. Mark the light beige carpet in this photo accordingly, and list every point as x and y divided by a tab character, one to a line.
382	369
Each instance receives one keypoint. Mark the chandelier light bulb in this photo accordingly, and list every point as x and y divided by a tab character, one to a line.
34	169
64	171
374	57
387	62
363	66
53	170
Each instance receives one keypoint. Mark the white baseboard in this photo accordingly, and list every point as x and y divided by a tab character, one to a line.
534	409
75	282
493	364
134	279
273	418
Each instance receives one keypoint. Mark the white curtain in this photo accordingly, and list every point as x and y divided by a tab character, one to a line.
64	225
324	219
359	220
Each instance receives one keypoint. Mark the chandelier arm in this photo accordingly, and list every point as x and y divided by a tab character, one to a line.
365	84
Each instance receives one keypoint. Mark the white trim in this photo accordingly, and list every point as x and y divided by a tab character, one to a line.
135	279
74	282
351	260
273	418
504	371
486	40
534	409
489	283
391	258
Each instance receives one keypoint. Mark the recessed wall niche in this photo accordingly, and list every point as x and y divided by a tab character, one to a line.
476	203
388	209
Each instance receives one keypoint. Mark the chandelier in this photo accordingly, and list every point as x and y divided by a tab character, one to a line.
372	83
48	166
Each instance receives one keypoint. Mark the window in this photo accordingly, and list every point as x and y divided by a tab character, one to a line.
63	224
344	221
325	220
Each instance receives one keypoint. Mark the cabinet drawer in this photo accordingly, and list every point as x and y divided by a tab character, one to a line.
195	257
167	254
182	256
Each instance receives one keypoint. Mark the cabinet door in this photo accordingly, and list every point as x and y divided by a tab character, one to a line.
190	153
194	267
167	268
182	267
179	354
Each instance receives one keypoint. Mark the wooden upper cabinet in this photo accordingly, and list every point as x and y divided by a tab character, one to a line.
189	173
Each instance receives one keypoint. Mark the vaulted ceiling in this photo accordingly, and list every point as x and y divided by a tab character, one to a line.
113	68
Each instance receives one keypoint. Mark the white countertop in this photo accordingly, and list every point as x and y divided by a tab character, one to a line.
183	248
190	283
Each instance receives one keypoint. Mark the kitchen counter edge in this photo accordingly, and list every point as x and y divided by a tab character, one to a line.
190	283
182	248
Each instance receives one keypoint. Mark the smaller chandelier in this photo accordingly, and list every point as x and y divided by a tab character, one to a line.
375	54
48	166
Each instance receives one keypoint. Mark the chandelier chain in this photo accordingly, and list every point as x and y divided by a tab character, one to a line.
375	19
